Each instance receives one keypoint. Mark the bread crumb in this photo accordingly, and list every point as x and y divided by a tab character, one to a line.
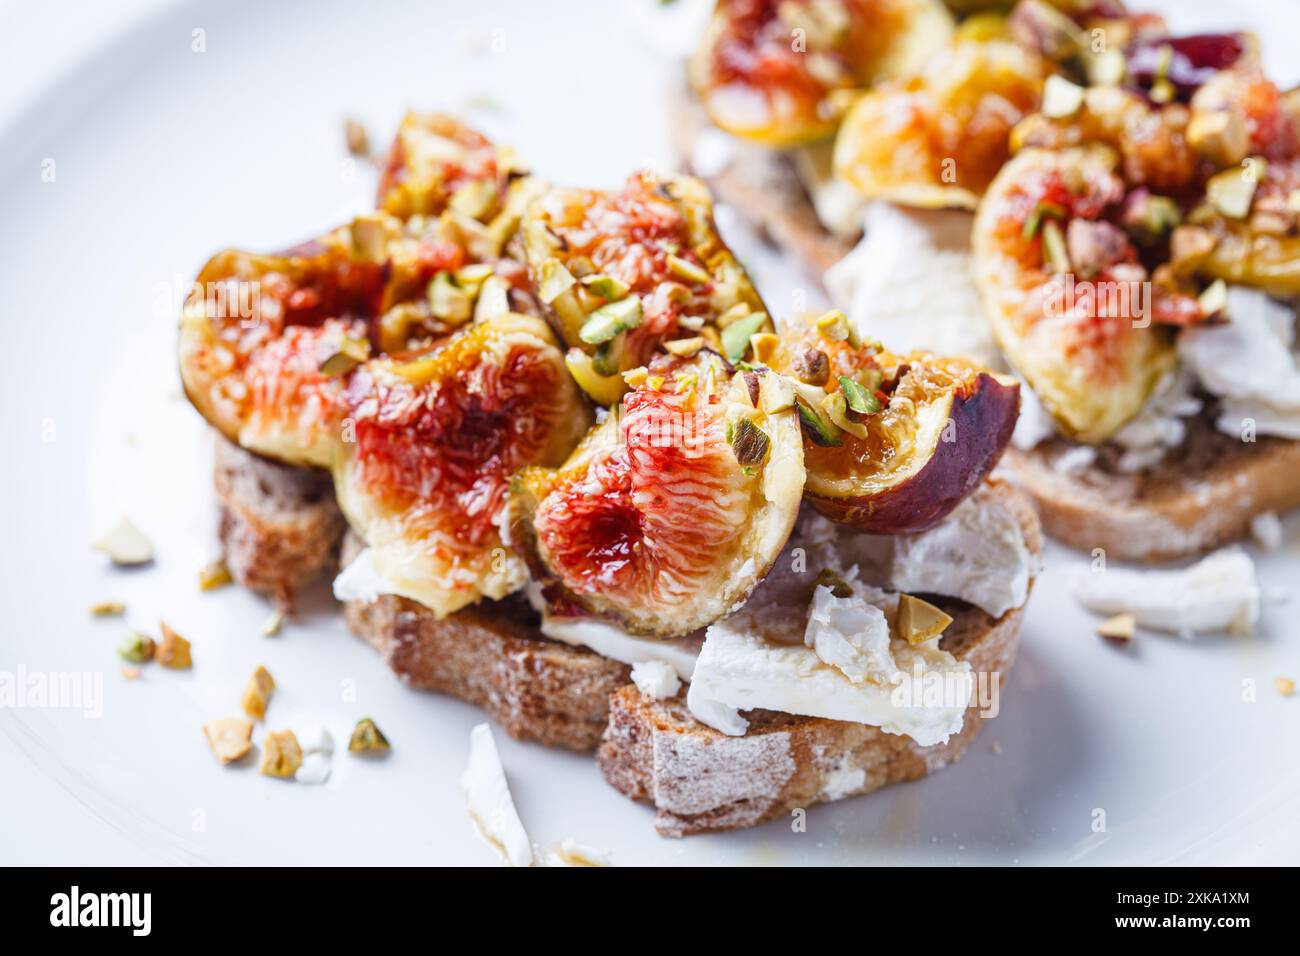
281	755
1285	686
174	651
257	692
1121	627
108	609
230	738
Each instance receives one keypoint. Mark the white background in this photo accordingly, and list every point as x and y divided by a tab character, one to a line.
164	155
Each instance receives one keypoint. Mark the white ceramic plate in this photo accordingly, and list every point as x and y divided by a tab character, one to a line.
162	154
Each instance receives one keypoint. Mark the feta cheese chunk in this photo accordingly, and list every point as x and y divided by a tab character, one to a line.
487	797
850	635
655	679
1218	593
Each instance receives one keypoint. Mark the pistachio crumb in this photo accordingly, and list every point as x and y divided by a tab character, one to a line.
214	575
357	139
281	754
108	609
137	648
230	738
1121	627
367	738
1285	686
257	692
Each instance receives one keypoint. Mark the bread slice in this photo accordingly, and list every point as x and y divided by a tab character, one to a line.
280	526
700	780
492	655
761	182
1203	494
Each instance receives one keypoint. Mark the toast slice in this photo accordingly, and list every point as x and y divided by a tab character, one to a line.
761	181
492	655
280	526
700	780
1203	494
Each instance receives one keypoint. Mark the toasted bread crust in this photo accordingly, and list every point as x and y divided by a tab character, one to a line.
700	780
280	526
1202	495
763	183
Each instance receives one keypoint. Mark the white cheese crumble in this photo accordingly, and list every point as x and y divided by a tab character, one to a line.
655	679
487	797
1218	593
850	635
1266	529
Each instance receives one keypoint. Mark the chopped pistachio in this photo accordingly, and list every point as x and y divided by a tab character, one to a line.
1214	299
369	237
447	301
603	389
685	269
692	323
734	314
108	609
1121	627
836	409
687	383
1293	200
475	199
1034	220
834	325
607	287
1055	255
257	692
858	397
174	651
272	625
351	352
609	320
125	544
1220	136
636	376
355	136
684	348
137	648
472	276
1231	192
919	621
1284	685
826	578
493	299
554	282
1152	219
130	672
776	393
281	754
230	738
764	345
749	443
214	575
367	738
735	337
812	367
1107	68
655	382
816	428
1061	98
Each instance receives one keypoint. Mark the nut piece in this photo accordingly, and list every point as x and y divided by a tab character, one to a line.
230	738
812	367
367	738
137	648
174	651
1221	137
125	544
271	626
1121	627
130	673
214	575
1285	686
108	609
919	621
257	692
281	755
357	140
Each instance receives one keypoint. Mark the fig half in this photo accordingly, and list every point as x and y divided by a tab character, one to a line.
893	443
673	509
1087	341
937	138
623	274
435	436
770	71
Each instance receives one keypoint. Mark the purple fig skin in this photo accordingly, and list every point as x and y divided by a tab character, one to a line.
982	418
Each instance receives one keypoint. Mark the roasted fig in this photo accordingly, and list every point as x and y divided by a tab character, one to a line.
768	70
673	509
622	273
434	439
937	138
892	443
438	163
1090	345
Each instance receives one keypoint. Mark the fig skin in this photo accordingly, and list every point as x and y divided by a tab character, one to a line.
981	417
